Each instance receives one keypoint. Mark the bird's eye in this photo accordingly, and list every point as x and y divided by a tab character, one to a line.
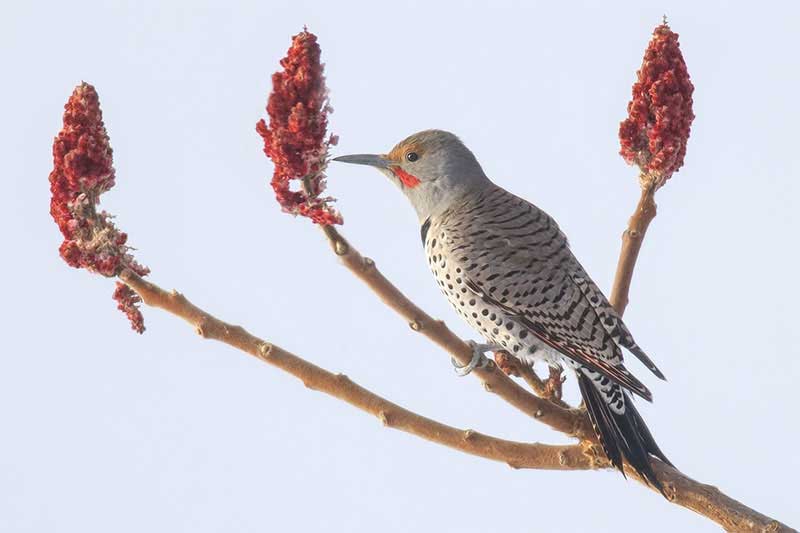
412	156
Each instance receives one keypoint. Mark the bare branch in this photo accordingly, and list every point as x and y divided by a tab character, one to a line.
681	490
573	422
632	239
710	502
515	454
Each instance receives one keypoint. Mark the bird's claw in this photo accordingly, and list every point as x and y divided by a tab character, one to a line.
478	359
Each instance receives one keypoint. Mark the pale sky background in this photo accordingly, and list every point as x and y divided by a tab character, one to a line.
105	430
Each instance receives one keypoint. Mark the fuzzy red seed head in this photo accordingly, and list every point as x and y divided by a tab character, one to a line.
83	170
128	302
660	116
295	139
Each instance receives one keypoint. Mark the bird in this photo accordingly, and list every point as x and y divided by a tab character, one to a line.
507	269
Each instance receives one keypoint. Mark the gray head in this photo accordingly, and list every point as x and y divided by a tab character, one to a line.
433	168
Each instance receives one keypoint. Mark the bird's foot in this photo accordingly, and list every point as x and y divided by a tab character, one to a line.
478	359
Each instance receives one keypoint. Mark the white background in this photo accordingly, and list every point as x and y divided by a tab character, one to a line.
105	430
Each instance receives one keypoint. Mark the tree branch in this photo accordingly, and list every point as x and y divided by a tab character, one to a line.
515	454
632	239
681	489
573	422
712	503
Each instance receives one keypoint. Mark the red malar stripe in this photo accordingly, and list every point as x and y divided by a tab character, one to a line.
407	179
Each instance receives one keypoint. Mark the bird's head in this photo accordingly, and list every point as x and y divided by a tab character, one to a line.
433	168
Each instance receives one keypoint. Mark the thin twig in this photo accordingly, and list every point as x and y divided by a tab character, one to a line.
632	239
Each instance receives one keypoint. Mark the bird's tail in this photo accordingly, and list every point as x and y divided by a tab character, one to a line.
618	425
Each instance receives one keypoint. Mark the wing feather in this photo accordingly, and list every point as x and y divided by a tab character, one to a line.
616	373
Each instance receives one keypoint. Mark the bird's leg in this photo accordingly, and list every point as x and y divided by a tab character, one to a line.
478	359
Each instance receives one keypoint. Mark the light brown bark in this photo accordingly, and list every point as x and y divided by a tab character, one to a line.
680	489
632	239
572	422
515	454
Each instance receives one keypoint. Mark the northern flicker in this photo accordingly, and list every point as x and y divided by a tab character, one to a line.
507	269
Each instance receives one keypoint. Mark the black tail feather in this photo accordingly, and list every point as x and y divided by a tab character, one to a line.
624	437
